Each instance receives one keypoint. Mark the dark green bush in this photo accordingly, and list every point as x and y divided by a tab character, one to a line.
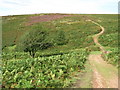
60	38
35	40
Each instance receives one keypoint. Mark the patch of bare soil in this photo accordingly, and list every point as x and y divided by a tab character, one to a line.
100	81
44	18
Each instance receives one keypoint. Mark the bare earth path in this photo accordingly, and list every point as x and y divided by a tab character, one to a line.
104	75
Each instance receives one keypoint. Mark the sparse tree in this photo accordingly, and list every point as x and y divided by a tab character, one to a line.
35	40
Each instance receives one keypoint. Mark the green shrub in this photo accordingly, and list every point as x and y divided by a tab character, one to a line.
60	38
35	40
112	57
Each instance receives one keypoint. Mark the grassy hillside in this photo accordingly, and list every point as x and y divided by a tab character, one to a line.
57	64
76	29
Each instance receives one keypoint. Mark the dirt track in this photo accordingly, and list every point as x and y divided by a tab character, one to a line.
95	38
104	75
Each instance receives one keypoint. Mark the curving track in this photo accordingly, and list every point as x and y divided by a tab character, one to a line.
95	38
104	75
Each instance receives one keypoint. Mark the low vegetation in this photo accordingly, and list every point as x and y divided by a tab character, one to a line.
53	71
